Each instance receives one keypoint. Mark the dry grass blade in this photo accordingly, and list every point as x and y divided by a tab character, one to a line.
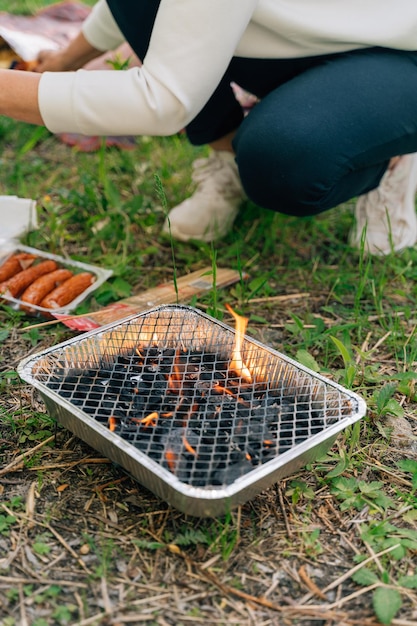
21	580
17	462
67	547
310	583
25	329
282	298
348	574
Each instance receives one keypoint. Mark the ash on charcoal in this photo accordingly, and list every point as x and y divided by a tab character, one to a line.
190	413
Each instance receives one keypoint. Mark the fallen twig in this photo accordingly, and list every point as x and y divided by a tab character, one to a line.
283	298
283	511
71	464
50	322
310	583
18	461
16	580
349	573
66	546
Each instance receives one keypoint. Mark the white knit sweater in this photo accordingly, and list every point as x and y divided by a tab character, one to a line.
190	48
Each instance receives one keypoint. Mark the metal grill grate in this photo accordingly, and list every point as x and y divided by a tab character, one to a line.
160	388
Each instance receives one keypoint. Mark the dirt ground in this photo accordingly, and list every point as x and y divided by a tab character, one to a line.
83	543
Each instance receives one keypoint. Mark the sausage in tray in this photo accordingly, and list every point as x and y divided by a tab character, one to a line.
15	264
40	288
68	291
18	283
36	282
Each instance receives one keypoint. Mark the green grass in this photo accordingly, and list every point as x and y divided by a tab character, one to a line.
357	325
29	7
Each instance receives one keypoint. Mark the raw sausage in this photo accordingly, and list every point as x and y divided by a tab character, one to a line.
44	285
14	264
68	291
15	285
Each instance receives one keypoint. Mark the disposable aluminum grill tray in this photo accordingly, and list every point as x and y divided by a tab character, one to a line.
201	416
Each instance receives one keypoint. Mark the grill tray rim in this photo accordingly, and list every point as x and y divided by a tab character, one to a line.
199	501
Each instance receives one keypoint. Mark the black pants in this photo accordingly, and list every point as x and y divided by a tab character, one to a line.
326	126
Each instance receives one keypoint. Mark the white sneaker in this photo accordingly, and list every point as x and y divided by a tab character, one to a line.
388	213
210	212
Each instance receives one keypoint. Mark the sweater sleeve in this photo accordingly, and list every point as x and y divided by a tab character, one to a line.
191	46
100	28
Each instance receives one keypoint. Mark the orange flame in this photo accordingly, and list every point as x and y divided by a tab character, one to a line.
112	423
225	390
237	364
188	446
171	459
150	420
191	412
175	379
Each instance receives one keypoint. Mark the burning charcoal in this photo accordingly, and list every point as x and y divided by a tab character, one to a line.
143	443
188	411
126	398
286	434
244	413
203	386
152	351
124	359
126	430
288	408
237	439
253	454
257	431
206	375
317	426
232	472
182	469
119	376
103	374
169	352
268	454
197	358
207	428
143	386
178	448
199	475
302	424
176	440
209	412
154	399
271	411
209	357
150	376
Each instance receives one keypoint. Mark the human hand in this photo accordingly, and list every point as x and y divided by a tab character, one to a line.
51	61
